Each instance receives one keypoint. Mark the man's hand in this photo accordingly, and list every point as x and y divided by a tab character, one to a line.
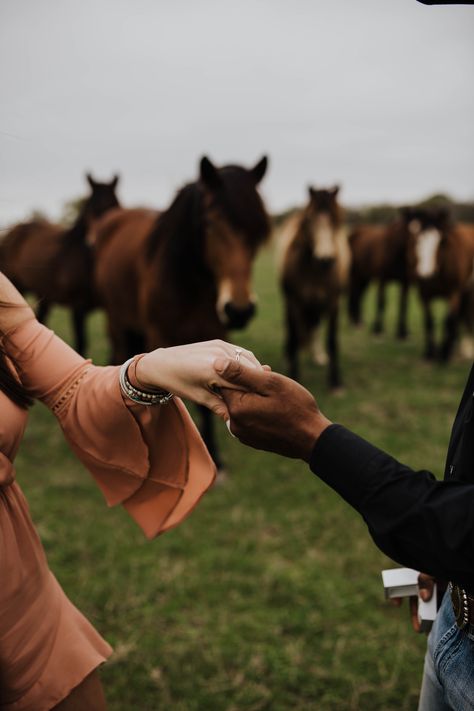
274	413
426	586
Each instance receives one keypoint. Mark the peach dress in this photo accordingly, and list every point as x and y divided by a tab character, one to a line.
149	459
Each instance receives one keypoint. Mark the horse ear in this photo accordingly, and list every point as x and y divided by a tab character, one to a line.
311	192
334	192
90	180
259	170
209	173
115	181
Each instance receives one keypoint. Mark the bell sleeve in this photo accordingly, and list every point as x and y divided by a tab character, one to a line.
151	460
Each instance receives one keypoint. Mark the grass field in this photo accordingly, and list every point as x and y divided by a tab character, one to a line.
269	596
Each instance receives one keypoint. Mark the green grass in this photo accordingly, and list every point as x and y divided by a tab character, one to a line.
269	596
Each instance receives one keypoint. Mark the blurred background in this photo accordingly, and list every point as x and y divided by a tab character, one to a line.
269	596
374	94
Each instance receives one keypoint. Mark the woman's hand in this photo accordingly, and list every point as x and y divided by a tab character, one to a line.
188	371
13	307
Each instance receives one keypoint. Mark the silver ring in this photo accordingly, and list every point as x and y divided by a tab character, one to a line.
238	353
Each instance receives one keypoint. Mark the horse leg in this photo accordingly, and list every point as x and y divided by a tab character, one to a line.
135	342
208	435
292	342
402	330
118	346
320	355
451	328
334	373
356	292
78	324
429	353
377	328
466	346
42	310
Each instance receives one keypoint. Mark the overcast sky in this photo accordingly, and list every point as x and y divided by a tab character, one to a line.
374	94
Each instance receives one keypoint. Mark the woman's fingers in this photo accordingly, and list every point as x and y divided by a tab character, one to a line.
243	354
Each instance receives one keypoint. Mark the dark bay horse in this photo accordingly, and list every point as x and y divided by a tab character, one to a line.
184	275
441	262
56	264
314	275
379	253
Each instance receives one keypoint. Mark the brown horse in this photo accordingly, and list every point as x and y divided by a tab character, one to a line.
184	275
379	254
441	262
314	275
56	264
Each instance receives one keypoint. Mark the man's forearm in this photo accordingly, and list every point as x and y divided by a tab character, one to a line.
415	519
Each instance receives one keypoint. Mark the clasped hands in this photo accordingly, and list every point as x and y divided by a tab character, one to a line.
265	410
268	411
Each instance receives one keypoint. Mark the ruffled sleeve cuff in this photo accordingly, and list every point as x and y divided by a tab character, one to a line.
151	460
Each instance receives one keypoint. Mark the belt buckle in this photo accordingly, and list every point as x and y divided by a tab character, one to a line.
460	603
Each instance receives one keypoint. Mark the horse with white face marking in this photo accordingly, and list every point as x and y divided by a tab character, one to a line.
314	275
440	259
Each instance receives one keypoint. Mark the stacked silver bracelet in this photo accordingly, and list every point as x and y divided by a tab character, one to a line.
142	397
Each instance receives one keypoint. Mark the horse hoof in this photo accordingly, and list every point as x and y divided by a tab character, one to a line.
338	391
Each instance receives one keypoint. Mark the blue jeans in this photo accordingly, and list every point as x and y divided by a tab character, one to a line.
448	675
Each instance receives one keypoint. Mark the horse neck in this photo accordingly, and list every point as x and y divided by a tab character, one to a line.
78	232
176	246
456	264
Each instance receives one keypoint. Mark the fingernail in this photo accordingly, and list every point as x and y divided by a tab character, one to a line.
228	427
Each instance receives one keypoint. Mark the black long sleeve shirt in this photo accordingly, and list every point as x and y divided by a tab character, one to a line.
416	520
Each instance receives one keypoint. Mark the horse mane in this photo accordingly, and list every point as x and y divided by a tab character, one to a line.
180	229
242	205
77	232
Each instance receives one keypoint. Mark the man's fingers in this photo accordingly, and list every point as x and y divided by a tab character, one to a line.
414	614
425	586
236	373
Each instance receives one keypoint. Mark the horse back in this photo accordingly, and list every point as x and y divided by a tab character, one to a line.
120	262
378	251
28	254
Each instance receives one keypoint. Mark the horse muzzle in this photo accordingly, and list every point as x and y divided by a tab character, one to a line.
237	317
325	263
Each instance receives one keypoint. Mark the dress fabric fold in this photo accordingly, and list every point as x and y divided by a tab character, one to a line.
151	460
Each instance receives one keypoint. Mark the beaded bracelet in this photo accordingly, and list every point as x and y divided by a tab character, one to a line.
142	397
